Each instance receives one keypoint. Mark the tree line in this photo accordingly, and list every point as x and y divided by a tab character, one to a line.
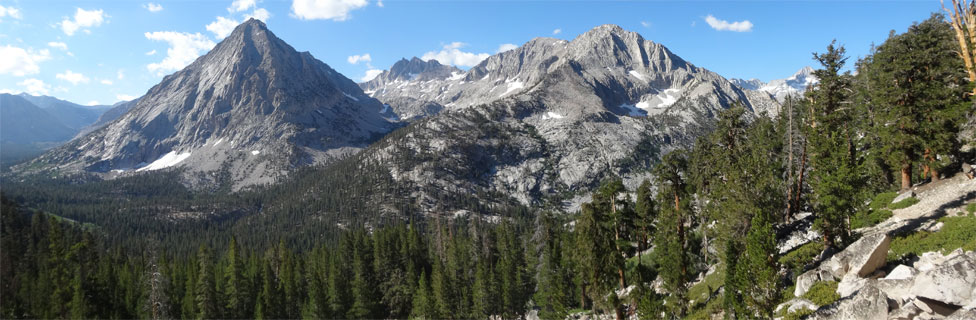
720	204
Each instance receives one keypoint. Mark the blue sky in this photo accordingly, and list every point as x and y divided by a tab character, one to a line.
98	52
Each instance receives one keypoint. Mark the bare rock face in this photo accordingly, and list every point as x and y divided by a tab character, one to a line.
963	314
394	86
551	118
862	257
796	304
869	303
902	272
903	196
250	110
952	282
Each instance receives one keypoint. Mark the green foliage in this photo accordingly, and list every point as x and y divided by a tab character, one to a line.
956	232
904	203
836	162
918	86
798	314
709	286
797	258
869	218
971	208
882	200
822	293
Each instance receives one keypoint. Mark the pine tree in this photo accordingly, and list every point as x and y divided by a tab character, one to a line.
671	235
553	294
236	287
594	248
424	306
205	291
836	162
918	86
759	265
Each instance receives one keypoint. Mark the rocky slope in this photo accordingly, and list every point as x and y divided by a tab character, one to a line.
630	75
246	113
935	285
547	121
409	73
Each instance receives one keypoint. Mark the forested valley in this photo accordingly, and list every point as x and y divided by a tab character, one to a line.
697	240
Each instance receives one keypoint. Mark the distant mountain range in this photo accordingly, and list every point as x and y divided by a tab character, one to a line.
539	124
795	85
30	124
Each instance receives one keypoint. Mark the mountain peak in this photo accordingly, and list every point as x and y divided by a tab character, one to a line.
253	106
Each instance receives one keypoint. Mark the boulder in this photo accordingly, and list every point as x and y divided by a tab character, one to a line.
850	284
907	311
963	314
952	282
903	196
862	257
869	303
901	272
805	281
928	261
796	304
935	307
898	290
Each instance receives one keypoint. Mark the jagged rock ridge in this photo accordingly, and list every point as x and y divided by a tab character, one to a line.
632	75
548	120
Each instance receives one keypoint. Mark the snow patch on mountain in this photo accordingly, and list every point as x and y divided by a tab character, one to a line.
168	160
794	86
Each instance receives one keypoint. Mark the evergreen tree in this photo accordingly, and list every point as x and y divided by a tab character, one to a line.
552	294
836	162
671	235
424	306
205	291
759	264
918	85
236	288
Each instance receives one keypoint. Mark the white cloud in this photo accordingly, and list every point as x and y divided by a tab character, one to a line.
370	74
151	52
153	7
106	82
557	31
35	87
241	5
451	54
59	45
183	49
359	57
646	24
74	78
83	19
20	62
10	12
93	103
380	3
222	27
506	46
337	10
124	97
260	14
120	74
722	25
